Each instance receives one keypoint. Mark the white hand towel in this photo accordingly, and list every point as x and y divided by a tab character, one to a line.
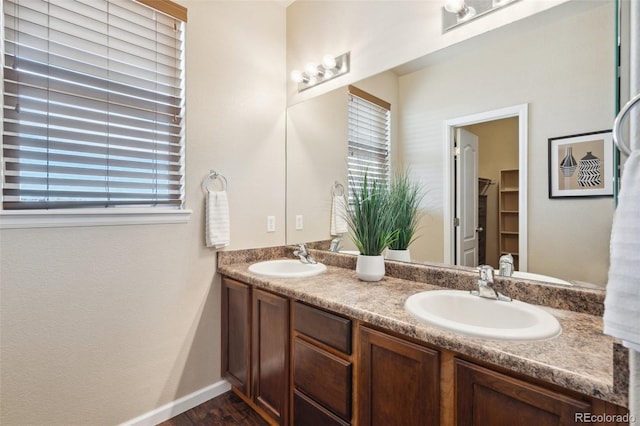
338	211
622	302
217	219
634	384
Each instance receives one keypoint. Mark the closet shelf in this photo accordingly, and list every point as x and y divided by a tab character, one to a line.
509	212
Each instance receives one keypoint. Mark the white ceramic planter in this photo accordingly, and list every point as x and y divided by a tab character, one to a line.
399	255
370	268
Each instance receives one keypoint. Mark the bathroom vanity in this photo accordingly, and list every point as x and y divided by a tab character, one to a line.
333	350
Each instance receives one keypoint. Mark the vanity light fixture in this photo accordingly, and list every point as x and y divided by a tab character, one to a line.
457	12
330	68
461	9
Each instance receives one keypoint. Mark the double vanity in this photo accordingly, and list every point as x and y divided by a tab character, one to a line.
313	345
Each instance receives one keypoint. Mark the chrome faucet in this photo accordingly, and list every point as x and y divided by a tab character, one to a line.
485	285
303	254
335	244
506	265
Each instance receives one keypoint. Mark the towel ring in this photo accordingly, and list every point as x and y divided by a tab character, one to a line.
617	125
212	177
337	189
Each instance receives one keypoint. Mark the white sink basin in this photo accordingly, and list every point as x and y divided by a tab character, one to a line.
539	277
289	268
465	313
356	252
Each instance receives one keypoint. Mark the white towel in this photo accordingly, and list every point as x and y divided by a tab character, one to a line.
634	384
338	211
622	302
217	219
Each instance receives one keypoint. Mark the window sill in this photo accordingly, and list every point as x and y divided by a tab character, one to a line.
90	217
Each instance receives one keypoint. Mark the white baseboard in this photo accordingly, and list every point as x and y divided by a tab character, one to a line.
178	406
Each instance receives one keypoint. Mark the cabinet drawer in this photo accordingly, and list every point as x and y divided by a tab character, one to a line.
327	328
307	412
323	376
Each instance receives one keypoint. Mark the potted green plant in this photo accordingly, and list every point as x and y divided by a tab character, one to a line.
405	196
370	221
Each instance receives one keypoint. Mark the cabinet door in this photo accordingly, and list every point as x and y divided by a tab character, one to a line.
398	381
485	397
236	333
271	354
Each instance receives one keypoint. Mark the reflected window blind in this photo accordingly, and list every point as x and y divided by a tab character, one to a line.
369	138
93	105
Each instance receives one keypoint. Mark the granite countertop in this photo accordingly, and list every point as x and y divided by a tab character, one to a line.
582	358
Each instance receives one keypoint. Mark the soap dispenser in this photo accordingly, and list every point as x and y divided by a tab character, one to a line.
506	265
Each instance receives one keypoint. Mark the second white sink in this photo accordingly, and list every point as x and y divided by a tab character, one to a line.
465	313
287	268
539	277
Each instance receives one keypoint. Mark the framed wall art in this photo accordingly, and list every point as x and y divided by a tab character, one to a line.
581	165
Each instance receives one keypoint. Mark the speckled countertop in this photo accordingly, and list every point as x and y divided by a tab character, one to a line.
581	358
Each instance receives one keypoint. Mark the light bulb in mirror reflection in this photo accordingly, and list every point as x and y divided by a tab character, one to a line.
460	8
454	6
297	76
311	69
328	62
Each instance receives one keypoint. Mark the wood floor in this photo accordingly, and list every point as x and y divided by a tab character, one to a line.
226	409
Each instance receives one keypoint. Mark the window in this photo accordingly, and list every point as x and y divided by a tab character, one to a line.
369	138
93	105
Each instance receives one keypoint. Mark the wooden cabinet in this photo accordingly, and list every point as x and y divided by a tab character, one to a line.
255	347
270	352
398	381
322	367
509	214
486	397
236	333
326	369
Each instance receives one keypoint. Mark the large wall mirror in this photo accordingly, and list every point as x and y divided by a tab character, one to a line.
558	63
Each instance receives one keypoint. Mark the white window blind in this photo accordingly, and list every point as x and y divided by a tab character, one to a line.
93	105
369	138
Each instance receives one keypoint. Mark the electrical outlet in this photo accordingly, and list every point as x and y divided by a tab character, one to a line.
271	224
299	222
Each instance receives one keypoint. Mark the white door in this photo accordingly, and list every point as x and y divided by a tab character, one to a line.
466	198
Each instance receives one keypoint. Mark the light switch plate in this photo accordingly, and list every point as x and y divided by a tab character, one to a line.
271	224
299	222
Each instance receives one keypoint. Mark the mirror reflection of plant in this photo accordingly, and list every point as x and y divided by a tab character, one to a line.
370	217
405	198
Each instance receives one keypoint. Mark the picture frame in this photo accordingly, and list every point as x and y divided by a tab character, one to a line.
581	165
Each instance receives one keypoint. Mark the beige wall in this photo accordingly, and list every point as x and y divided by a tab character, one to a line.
103	324
537	64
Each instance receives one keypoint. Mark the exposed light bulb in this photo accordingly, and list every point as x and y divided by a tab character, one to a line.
454	6
312	80
328	62
311	69
466	14
297	76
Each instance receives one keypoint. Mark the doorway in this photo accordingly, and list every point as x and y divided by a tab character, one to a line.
462	228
